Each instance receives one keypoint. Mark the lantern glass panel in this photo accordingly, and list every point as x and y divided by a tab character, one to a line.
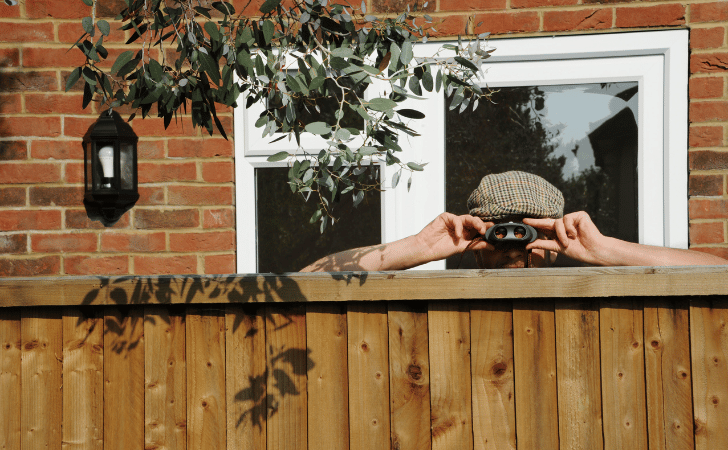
126	161
89	164
104	173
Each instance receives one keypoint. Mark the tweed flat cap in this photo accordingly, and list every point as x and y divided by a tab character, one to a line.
504	195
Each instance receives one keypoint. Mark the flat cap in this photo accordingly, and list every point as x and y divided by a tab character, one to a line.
505	195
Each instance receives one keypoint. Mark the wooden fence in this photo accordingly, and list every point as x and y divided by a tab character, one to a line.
623	358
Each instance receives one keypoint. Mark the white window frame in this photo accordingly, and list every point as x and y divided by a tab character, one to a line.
657	60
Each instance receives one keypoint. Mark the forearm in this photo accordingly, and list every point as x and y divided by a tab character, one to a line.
398	255
615	252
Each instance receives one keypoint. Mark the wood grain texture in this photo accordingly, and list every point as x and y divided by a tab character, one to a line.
668	374
450	383
123	378
245	365
372	286
709	350
623	374
578	375
368	376
206	411
328	381
165	379
83	380
534	361
288	357
41	383
10	376
409	376
494	404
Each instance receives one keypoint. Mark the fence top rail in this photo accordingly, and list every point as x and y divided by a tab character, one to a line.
365	286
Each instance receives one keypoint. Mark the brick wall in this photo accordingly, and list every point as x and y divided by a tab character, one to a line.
184	221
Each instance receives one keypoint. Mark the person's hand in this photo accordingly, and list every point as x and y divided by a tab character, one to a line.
449	235
574	235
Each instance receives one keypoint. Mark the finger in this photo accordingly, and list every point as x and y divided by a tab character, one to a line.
541	224
481	245
546	244
570	223
475	223
561	234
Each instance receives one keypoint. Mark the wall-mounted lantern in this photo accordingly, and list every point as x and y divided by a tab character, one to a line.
110	160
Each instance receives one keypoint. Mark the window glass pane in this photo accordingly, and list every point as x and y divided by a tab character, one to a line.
582	138
126	162
287	242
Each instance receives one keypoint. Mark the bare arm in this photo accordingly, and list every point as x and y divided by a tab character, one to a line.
445	236
577	237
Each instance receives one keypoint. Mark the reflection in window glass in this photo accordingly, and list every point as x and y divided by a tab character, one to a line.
287	242
582	138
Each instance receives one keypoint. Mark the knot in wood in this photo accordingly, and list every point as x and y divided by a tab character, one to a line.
498	369
414	372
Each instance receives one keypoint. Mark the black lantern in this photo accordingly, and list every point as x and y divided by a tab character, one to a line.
110	159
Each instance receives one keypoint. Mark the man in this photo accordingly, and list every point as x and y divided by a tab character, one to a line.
511	196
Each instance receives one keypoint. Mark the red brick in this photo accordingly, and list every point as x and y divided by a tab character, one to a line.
203	148
20	220
152	126
76	87
56	150
76	126
150	196
198	242
705	136
708	87
55	104
650	16
13	243
707	37
539	3
448	26
24	173
165	265
709	12
109	8
63	242
69	32
708	111
9	57
590	19
13	151
721	252
150	150
248	7
166	219
474	5
9	12
56	196
28	267
31	126
706	233
708	208
219	218
96	265
157	173
200	195
42	9
78	219
10	104
220	264
74	173
707	185
218	171
498	23
26	32
709	62
133	242
27	81
399	6
12	196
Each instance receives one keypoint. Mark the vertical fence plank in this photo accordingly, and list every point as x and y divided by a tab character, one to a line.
287	362
623	374
709	350
578	375
368	376
245	365
328	383
409	377
494	407
123	379
450	383
668	374
165	382
205	340
10	379
534	362
83	380
41	396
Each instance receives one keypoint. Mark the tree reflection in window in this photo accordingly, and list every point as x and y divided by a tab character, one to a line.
582	138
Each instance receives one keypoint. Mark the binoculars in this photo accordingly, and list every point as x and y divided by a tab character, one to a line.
510	234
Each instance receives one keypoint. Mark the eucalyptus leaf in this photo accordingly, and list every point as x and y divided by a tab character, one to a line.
280	156
320	128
